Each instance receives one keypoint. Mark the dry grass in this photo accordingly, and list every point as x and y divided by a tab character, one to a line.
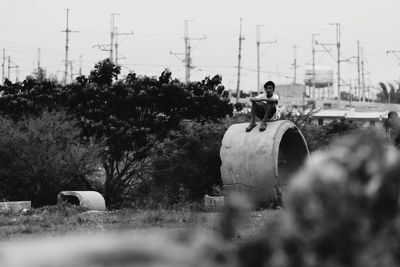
67	219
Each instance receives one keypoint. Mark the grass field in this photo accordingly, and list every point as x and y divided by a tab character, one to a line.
66	219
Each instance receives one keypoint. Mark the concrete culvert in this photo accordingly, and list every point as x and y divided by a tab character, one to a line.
88	199
258	163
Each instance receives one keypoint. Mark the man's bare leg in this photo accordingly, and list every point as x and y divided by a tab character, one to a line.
269	112
253	117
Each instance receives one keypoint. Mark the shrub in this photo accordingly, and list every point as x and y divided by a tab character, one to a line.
187	162
317	136
41	156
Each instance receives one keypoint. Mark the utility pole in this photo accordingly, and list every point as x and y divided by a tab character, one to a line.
313	64
188	59
187	55
258	42
9	67
112	29
114	44
80	65
258	57
295	66
116	34
358	71
362	75
38	59
13	66
3	66
71	71
338	58
16	73
67	31
241	38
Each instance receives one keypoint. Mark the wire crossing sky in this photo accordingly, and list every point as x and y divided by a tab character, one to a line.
158	29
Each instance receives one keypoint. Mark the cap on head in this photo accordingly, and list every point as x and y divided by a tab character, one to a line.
269	83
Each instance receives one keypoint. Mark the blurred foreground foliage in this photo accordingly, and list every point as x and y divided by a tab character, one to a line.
342	210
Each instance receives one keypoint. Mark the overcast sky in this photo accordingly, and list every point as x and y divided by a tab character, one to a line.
158	26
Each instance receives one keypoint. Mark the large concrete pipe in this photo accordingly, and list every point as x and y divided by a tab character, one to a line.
258	163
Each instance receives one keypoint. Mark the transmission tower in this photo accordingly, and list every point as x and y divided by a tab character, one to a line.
66	62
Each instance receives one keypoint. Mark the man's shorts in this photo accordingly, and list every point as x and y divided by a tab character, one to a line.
260	111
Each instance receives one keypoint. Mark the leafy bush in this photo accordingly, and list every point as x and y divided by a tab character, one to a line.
41	156
319	136
187	163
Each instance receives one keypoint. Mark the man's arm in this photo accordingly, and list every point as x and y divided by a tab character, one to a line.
269	100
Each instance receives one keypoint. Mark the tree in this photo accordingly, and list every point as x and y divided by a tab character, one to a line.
129	116
384	92
125	117
104	73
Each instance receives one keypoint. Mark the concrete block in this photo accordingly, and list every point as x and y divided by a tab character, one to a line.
14	206
214	203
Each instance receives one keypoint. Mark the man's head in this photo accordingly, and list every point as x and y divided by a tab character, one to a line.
393	115
269	87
